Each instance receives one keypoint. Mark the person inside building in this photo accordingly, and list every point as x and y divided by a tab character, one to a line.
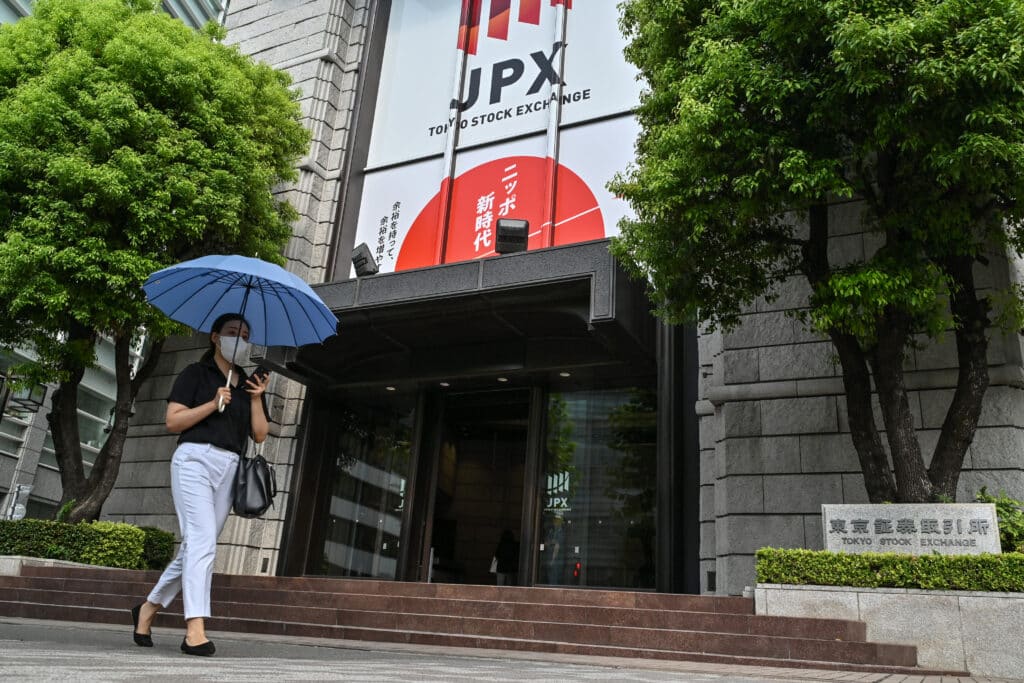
506	557
203	471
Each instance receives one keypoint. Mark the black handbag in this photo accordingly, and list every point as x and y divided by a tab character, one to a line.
255	486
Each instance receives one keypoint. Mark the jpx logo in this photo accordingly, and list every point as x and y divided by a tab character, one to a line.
558	491
507	72
498	19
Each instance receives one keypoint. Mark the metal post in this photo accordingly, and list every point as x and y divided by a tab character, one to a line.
13	497
5	393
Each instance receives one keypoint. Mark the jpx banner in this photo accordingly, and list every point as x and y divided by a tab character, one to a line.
497	70
513	56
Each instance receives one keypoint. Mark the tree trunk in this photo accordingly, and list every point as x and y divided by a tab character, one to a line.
104	471
67	448
63	422
912	482
971	322
874	463
108	461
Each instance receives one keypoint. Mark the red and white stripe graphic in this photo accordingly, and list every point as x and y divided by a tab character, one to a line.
499	16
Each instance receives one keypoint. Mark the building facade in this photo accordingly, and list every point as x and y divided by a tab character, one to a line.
476	388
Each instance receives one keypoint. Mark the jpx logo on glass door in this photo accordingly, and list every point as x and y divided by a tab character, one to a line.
558	493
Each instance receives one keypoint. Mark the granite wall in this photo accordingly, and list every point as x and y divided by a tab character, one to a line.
775	439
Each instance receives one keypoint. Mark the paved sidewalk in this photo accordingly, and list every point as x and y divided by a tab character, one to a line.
39	650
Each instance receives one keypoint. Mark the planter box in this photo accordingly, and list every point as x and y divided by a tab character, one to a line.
10	565
955	630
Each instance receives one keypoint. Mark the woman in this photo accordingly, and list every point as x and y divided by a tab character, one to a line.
506	557
203	471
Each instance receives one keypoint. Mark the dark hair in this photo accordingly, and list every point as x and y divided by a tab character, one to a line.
218	325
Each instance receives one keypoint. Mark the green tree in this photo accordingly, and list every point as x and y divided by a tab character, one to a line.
127	142
760	113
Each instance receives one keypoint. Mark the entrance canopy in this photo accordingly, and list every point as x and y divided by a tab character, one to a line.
565	311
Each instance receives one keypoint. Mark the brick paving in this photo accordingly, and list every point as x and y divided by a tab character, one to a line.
40	650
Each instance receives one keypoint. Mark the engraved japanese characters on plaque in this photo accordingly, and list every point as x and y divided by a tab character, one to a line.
913	529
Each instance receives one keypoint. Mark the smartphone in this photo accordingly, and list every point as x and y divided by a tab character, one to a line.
260	372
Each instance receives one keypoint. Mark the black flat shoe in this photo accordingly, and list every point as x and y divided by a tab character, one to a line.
202	649
141	639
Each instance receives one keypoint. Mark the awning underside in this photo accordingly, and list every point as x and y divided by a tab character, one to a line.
588	318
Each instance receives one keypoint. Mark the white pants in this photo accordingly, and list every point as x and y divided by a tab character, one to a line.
201	484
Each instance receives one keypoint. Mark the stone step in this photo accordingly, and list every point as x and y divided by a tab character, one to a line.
822	629
554	596
809	654
616	623
680	638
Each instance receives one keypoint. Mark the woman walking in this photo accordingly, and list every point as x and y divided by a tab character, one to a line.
203	471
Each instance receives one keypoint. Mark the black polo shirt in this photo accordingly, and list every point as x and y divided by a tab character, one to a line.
198	384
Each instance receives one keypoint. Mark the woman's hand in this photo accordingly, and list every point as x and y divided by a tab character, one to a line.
257	384
223	395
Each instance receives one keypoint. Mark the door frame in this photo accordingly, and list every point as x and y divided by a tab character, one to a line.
417	531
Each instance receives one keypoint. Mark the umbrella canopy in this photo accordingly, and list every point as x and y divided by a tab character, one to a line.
281	308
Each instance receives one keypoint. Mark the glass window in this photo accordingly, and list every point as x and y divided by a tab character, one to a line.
598	499
12	434
368	453
93	404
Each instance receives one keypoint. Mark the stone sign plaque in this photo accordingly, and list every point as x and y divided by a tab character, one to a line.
913	528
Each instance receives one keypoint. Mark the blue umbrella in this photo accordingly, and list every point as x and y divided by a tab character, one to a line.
282	309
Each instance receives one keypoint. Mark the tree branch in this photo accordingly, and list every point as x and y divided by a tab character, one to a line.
147	367
971	321
874	463
912	482
63	419
878	479
108	463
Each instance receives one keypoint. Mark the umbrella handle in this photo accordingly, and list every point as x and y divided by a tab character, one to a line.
220	400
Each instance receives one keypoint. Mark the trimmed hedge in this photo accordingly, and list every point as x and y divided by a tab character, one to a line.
998	573
157	548
108	544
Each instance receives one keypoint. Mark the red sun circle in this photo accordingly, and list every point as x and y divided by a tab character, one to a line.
513	187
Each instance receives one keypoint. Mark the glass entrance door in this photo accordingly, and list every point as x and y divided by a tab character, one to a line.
365	452
597	523
424	487
478	498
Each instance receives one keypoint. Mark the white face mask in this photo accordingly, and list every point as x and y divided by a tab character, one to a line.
234	349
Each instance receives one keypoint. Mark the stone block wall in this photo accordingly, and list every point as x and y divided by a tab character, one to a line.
775	441
971	631
319	43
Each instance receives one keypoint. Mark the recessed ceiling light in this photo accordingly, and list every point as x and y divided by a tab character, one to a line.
503	379
390	388
564	374
445	384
